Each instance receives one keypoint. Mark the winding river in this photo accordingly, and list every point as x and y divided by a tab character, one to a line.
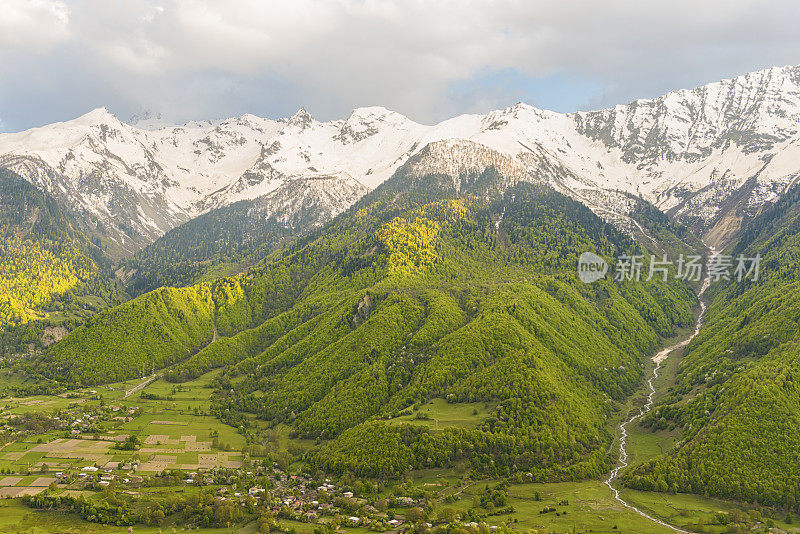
658	359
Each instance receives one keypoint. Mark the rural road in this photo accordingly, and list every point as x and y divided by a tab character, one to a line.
140	385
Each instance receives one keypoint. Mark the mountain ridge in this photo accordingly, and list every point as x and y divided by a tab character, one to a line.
688	152
425	288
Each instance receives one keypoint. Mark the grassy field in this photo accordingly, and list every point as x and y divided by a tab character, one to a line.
689	511
643	444
93	300
439	414
176	432
591	508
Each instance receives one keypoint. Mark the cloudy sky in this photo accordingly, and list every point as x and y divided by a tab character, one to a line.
195	59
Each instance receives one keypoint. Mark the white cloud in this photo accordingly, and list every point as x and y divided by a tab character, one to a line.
208	58
33	25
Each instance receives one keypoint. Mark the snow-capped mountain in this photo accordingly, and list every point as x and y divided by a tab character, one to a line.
709	157
150	120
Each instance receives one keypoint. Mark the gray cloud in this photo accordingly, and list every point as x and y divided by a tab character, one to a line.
204	58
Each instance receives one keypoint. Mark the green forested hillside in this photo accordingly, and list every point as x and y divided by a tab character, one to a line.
155	331
417	292
737	397
45	261
670	237
229	239
234	235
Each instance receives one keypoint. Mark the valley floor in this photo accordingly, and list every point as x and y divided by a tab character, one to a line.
176	432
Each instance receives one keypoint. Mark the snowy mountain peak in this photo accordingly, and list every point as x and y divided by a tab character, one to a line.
521	109
366	122
302	119
708	156
373	114
99	115
519	112
249	118
753	111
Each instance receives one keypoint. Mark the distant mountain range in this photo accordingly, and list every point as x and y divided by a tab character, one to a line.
338	277
708	157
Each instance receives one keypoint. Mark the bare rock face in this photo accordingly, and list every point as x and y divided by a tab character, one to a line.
52	334
363	310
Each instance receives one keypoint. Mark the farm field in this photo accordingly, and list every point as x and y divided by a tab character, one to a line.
175	431
170	422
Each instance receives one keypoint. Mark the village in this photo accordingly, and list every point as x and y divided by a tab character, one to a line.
94	443
292	497
158	458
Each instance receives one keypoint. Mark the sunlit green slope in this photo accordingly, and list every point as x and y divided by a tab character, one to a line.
418	292
46	263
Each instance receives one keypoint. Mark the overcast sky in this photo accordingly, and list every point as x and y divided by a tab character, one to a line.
196	59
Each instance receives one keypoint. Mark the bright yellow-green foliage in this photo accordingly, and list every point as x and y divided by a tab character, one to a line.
14	312
410	240
155	330
409	297
410	244
43	258
233	310
31	274
234	349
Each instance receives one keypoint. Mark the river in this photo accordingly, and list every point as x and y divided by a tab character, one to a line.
658	359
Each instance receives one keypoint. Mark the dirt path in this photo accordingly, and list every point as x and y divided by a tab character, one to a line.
140	385
623	427
155	376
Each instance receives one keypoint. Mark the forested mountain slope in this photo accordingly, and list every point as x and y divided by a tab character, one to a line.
45	261
433	286
236	236
737	397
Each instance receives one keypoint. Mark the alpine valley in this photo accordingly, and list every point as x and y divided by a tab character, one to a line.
377	324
